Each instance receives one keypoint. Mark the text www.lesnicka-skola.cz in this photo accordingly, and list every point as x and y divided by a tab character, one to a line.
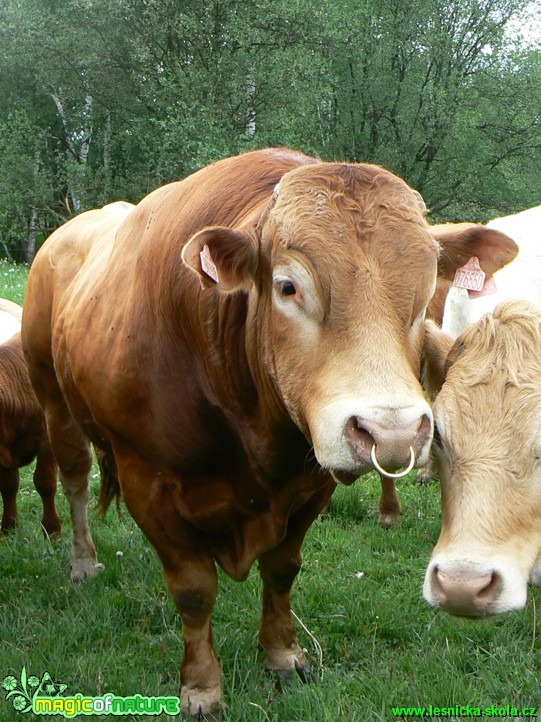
458	711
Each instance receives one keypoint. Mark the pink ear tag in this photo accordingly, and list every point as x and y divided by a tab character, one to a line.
489	287
470	276
207	264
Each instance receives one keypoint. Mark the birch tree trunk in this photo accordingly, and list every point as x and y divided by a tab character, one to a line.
77	152
32	231
250	103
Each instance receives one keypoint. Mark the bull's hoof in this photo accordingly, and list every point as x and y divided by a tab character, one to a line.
83	568
284	677
52	532
388	520
201	704
52	535
305	673
203	717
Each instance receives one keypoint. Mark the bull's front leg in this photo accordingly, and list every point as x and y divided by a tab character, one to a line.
193	586
389	506
277	634
191	578
278	569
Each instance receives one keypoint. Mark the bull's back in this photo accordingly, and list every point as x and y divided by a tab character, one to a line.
56	266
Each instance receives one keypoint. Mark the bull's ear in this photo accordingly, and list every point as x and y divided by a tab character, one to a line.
461	241
223	258
437	345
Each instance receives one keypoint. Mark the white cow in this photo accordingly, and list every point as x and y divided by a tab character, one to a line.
520	279
487	451
10	319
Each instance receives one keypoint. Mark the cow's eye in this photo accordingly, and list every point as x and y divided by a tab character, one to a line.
287	288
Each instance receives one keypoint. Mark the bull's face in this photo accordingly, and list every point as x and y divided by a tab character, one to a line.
348	267
339	271
488	451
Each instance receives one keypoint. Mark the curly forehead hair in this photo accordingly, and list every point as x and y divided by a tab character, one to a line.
507	342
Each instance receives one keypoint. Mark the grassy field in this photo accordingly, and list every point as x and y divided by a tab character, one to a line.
358	596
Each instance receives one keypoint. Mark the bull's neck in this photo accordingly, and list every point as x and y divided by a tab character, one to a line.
234	365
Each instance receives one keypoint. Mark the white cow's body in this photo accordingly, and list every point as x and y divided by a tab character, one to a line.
520	279
10	319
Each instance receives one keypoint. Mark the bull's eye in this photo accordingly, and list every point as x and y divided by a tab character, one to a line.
287	288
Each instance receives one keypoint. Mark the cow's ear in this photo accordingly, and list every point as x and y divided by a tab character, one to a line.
436	347
460	241
223	258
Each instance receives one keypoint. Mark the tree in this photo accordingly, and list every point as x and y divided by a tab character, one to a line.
140	92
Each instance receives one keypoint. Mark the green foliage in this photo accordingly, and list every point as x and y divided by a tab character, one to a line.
107	100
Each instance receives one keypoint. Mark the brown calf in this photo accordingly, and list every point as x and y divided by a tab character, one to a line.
23	437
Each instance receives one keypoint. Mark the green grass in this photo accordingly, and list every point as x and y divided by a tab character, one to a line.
12	280
382	645
358	593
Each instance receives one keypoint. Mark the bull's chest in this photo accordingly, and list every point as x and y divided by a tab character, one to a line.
240	521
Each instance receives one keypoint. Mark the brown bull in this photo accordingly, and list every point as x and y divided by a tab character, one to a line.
241	341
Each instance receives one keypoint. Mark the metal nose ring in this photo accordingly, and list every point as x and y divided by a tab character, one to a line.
398	474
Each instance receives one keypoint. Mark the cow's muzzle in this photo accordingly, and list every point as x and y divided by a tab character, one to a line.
463	592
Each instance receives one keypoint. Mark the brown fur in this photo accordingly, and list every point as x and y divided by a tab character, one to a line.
23	437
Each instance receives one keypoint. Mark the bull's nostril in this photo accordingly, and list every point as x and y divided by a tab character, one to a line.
360	437
437	581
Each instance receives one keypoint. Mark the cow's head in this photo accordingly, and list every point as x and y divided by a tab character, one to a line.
487	447
339	270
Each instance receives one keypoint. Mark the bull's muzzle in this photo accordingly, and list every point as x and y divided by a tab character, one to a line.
387	443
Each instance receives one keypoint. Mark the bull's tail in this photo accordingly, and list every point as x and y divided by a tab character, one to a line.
109	484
